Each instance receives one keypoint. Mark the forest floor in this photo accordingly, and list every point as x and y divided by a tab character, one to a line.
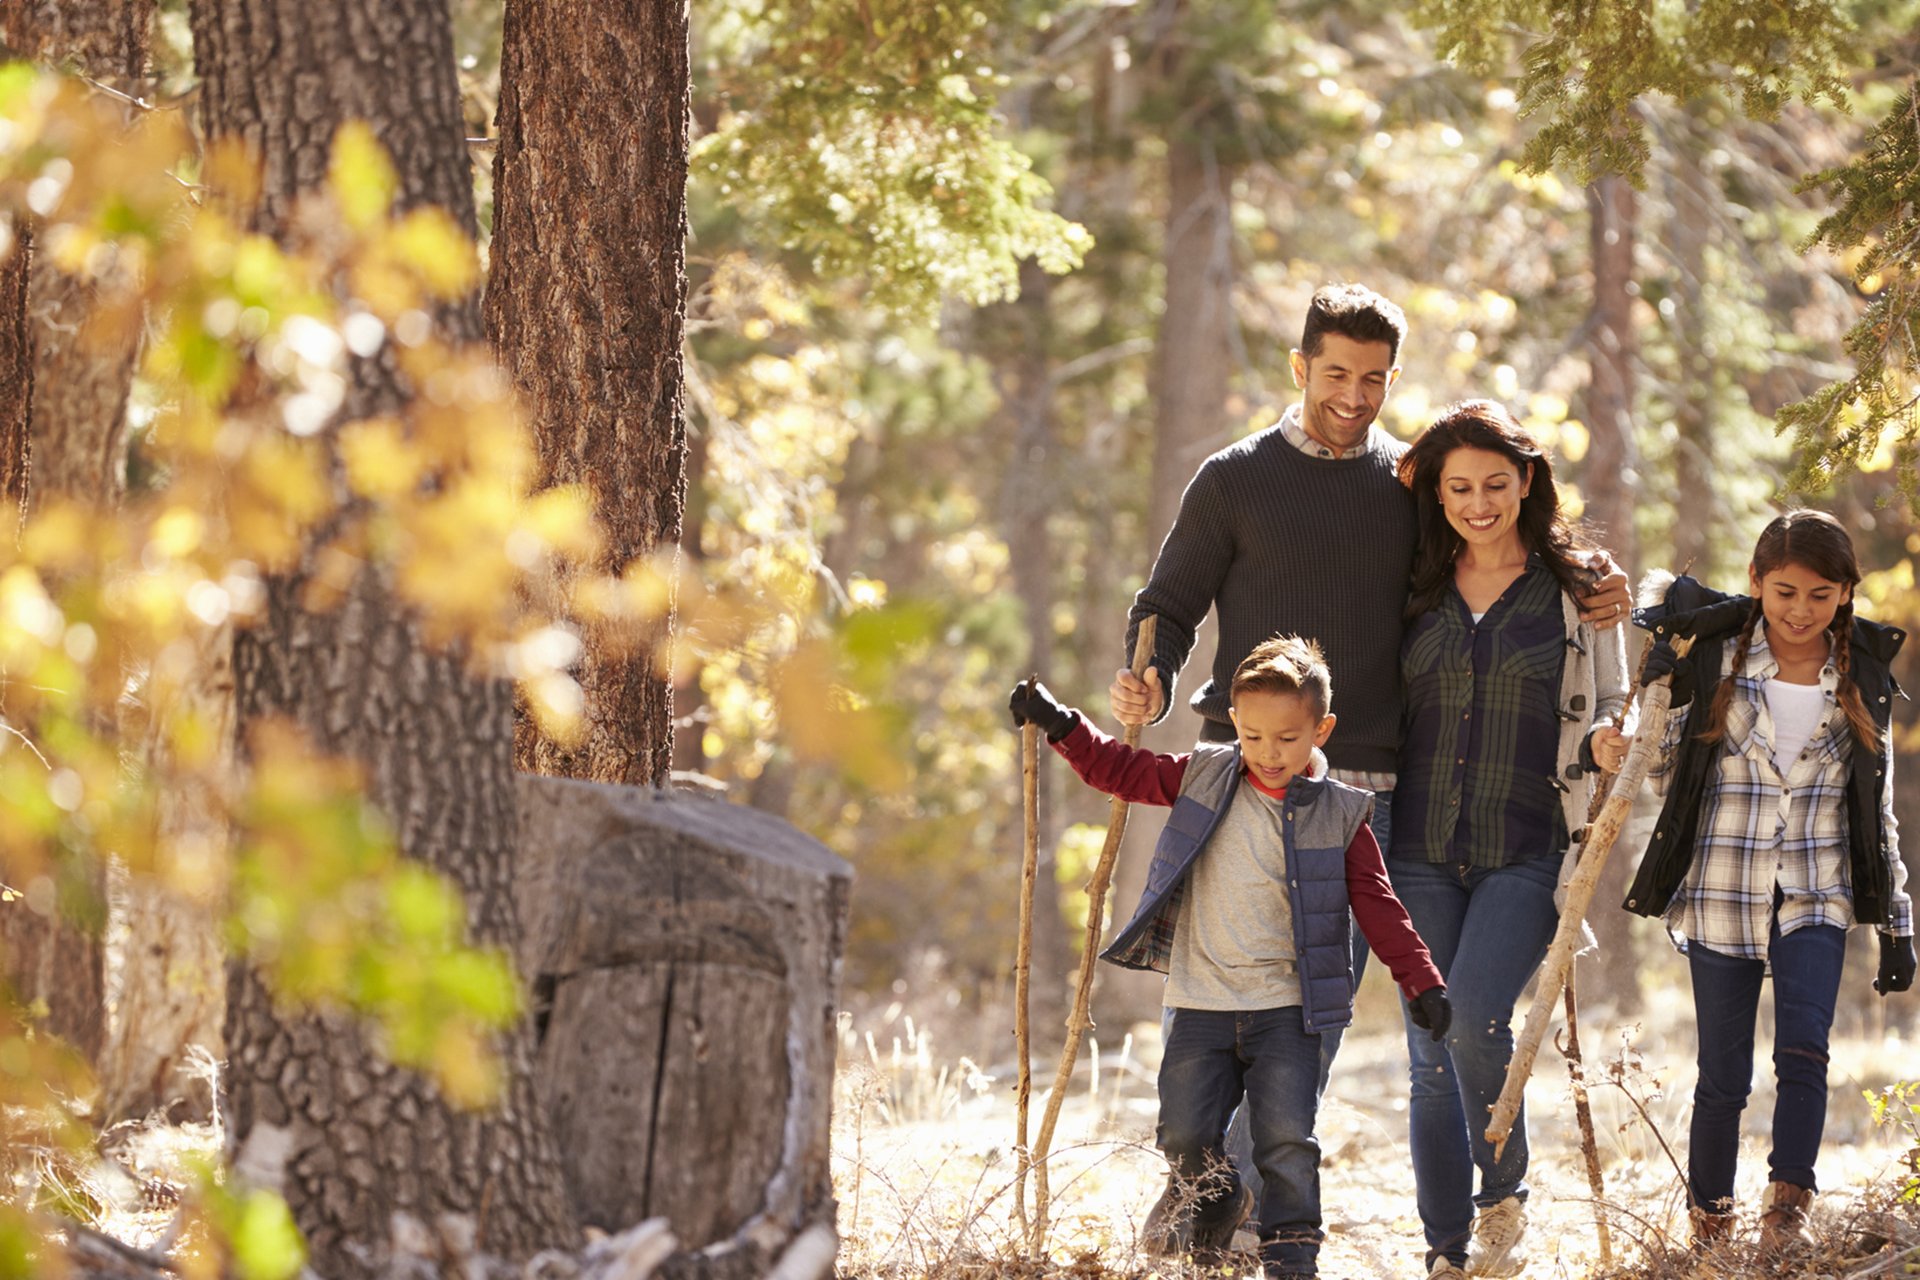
924	1164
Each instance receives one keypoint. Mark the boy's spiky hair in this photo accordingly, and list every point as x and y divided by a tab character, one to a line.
1286	664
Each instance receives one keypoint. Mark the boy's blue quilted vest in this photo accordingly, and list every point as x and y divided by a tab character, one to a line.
1319	820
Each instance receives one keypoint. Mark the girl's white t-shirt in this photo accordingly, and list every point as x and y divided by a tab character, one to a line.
1797	711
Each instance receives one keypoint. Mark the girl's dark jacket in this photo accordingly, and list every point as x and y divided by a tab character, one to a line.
1711	617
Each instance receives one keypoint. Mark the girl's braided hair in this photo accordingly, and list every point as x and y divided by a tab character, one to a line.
1816	542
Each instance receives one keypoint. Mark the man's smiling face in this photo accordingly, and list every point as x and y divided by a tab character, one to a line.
1344	387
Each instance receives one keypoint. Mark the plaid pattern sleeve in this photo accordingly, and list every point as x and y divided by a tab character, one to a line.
1762	830
1476	782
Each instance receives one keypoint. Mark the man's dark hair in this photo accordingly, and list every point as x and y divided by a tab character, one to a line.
1352	311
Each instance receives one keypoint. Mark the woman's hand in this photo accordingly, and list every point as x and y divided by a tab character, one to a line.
1609	748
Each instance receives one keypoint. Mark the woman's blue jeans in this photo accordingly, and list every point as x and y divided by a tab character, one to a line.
1488	929
1212	1059
1726	998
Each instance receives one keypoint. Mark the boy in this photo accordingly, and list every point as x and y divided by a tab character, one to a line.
1246	911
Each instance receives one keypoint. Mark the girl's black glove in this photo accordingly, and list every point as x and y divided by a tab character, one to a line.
1896	964
1032	704
1431	1011
1663	661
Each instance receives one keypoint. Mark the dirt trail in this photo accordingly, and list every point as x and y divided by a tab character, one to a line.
923	1167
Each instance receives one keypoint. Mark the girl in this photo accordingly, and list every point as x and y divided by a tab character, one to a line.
1504	686
1776	837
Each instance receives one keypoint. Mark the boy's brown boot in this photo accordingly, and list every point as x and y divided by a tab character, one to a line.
1709	1228
1783	1226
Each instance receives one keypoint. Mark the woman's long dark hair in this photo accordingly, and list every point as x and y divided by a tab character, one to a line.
1818	543
1485	424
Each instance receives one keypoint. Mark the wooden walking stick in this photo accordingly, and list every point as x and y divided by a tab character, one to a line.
1078	1021
1601	836
1576	1068
1584	1114
1023	962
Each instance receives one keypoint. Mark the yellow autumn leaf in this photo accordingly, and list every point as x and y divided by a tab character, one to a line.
361	176
177	532
465	1068
58	536
380	461
432	243
562	519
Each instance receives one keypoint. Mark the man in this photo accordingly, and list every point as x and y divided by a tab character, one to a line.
1303	528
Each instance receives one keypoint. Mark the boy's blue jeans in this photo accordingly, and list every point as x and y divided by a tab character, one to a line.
1488	928
1211	1059
1239	1141
1726	997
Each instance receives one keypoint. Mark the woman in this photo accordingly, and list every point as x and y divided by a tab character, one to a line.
1505	687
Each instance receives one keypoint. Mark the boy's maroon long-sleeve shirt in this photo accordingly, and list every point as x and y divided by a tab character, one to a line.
1139	776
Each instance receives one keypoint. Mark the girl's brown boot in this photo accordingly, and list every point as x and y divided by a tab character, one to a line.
1783	1226
1709	1228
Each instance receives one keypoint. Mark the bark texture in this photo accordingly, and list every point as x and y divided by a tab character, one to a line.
107	39
585	307
1025	379
1608	474
16	379
687	957
1192	371
1608	481
66	362
349	1139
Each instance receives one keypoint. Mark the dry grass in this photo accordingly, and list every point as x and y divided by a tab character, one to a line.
924	1160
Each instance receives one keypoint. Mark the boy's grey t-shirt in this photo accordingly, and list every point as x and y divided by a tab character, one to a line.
1233	934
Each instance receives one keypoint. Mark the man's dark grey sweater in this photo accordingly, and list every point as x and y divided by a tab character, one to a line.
1281	542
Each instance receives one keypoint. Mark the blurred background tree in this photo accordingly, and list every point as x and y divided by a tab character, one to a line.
970	289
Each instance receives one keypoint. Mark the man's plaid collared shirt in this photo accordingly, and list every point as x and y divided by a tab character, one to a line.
1764	832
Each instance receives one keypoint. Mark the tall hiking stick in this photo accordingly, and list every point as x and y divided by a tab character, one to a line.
1079	1020
1601	837
1584	1114
1023	962
1576	1068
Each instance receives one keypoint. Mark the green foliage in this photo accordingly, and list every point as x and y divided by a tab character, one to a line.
1876	227
106	615
252	1233
1586	64
867	140
1897	1107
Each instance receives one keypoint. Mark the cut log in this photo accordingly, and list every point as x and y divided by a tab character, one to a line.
685	958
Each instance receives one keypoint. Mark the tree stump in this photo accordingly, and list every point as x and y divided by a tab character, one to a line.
685	960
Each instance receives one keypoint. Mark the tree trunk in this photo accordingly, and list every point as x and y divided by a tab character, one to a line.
690	711
1192	366
1026	501
1691	209
1607	476
66	362
687	956
16	378
1607	482
585	308
106	39
314	1111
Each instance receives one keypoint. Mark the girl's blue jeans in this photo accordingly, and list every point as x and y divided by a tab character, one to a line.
1726	998
1488	929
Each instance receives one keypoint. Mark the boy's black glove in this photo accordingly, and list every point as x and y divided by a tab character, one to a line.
1896	964
1431	1011
1032	704
1661	661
